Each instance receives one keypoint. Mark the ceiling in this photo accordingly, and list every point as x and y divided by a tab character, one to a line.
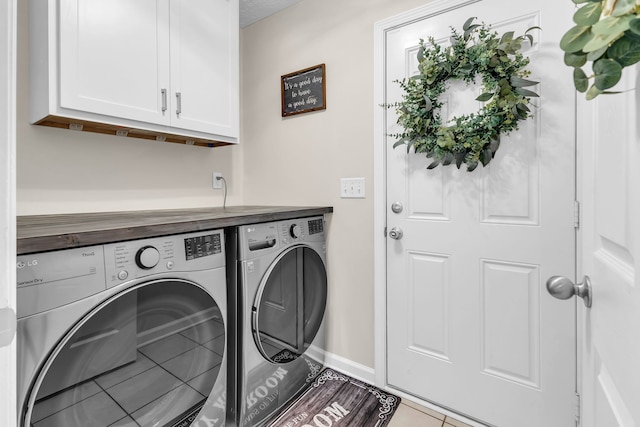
254	10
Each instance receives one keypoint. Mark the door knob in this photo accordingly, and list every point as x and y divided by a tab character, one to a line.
396	233
397	207
563	288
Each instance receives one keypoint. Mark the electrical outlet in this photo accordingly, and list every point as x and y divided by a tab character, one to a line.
217	183
352	188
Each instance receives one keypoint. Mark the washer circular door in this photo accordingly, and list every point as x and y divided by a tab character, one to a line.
290	304
149	355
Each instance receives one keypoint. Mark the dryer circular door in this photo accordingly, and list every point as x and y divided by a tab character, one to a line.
149	355
290	304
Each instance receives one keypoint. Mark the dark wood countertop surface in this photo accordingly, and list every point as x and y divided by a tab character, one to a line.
41	233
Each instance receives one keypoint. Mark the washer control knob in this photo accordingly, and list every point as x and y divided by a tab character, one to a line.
147	257
294	231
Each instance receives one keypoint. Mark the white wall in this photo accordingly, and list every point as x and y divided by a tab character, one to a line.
61	171
300	159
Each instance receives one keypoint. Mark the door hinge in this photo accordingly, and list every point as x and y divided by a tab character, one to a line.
576	214
385	232
577	409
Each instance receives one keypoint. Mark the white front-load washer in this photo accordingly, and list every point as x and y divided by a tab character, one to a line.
124	334
283	294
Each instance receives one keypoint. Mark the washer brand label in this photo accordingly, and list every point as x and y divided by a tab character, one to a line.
23	264
30	282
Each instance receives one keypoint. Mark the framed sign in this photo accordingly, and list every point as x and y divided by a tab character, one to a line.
304	91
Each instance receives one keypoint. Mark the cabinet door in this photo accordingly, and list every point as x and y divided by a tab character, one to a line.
114	59
204	65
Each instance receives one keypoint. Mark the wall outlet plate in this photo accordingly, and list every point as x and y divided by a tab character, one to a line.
217	183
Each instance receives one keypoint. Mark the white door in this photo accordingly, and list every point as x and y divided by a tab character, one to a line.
204	66
470	324
114	58
609	137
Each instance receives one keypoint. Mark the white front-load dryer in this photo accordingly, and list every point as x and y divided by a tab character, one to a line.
124	334
283	296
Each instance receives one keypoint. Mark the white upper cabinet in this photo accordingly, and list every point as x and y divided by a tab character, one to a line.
114	58
204	72
154	69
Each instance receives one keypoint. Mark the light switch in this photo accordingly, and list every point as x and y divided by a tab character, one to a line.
352	188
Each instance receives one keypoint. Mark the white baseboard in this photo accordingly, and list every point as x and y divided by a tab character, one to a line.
349	367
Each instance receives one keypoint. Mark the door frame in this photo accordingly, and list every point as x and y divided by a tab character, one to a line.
381	28
8	52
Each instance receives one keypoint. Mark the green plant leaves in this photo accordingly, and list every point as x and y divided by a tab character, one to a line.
588	14
608	34
622	7
607	73
428	103
634	25
421	52
484	97
580	80
596	54
575	39
447	159
467	23
612	25
526	92
520	82
575	59
625	51
606	31
593	92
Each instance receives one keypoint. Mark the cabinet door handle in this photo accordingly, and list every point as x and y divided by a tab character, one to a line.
179	103
164	99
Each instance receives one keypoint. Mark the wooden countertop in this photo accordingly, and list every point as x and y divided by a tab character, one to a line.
40	233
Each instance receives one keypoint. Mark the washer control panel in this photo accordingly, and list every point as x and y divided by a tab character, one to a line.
201	246
147	257
188	252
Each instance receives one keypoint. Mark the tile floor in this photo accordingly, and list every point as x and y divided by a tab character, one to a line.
410	414
179	369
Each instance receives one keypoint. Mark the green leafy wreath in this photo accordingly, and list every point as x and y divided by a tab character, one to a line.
473	138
